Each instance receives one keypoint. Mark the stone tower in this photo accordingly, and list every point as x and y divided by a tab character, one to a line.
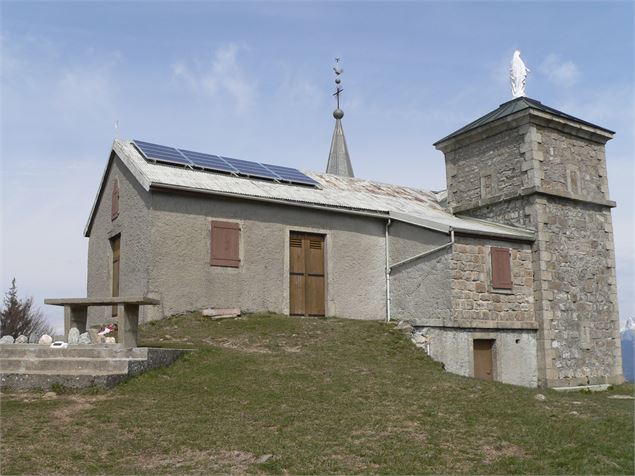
530	165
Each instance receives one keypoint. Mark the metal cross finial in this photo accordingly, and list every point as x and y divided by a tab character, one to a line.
338	71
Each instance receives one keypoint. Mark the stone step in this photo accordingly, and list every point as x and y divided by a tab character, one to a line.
29	366
34	351
61	366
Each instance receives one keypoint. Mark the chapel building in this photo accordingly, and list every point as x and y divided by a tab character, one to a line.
509	275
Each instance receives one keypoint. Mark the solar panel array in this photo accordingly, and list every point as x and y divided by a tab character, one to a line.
226	165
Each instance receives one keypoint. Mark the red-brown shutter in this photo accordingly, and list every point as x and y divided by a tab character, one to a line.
225	244
501	268
114	208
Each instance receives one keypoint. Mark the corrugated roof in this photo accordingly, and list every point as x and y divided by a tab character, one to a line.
513	106
348	194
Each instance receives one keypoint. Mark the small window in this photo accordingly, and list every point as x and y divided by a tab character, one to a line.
574	181
114	203
225	244
501	268
486	186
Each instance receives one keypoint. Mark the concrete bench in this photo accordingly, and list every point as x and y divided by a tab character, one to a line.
76	314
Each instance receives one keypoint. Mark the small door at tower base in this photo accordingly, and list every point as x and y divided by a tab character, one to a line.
484	359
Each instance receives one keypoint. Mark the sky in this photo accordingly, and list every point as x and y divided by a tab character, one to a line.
254	80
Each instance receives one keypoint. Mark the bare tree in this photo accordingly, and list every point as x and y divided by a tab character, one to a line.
20	317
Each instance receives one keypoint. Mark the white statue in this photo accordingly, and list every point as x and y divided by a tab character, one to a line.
518	75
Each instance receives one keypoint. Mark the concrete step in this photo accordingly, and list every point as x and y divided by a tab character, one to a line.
69	365
34	351
30	366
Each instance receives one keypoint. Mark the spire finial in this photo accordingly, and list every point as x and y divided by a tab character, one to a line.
338	113
339	161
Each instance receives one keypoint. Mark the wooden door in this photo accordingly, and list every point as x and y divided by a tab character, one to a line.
306	275
115	243
484	359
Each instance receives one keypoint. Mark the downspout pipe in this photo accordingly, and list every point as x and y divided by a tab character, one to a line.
387	245
389	268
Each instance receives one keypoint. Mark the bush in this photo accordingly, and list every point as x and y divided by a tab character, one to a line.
19	317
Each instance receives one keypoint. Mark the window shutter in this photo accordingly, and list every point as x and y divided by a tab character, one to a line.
225	244
501	268
114	203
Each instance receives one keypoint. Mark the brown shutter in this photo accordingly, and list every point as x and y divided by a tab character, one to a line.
114	208
501	268
225	244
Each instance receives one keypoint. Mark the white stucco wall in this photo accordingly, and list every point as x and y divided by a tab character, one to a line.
133	223
181	276
514	353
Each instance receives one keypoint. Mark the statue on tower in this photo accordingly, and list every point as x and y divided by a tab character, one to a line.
518	72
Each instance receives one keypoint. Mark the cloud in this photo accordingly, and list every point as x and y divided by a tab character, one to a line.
560	72
222	75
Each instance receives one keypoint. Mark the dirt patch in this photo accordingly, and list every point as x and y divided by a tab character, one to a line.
238	344
73	405
492	453
227	462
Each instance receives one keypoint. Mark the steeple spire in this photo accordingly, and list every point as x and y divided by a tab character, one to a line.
339	161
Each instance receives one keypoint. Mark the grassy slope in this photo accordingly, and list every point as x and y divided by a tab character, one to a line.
321	396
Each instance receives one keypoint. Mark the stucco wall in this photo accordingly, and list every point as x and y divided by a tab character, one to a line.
514	352
183	279
133	223
419	289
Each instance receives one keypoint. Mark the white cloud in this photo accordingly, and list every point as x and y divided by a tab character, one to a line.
560	72
223	74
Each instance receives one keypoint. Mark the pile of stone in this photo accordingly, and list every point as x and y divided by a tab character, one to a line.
416	336
74	338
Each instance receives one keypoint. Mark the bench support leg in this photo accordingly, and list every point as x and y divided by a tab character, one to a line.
128	324
75	316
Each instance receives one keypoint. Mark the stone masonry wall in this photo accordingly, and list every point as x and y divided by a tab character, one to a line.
576	292
474	299
572	166
488	167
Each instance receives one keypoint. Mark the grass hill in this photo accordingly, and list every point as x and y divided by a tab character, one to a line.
274	394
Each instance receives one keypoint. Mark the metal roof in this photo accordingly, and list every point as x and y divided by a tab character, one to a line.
345	194
511	107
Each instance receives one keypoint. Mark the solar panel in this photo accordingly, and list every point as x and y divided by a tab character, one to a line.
208	162
161	153
251	169
217	163
291	175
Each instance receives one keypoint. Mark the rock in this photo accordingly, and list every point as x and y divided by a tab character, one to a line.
405	327
622	397
540	397
263	459
84	338
22	339
221	313
573	413
73	336
6	340
110	340
45	340
419	339
49	395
